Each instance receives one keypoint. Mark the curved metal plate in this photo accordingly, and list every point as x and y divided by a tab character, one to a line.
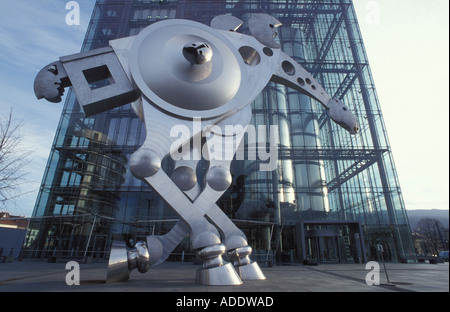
169	81
226	22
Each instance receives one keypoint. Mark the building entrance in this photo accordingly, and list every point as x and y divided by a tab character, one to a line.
324	249
331	242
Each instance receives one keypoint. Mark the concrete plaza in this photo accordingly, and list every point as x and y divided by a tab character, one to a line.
40	276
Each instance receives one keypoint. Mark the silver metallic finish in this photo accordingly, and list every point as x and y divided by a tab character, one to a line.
341	115
162	246
250	272
143	257
217	276
123	260
118	268
161	71
197	53
263	27
289	73
226	22
212	255
50	82
247	270
214	271
174	72
132	257
184	177
239	256
219	178
236	241
144	163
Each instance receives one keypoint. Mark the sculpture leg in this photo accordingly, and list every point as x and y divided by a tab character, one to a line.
218	180
204	237
123	260
146	164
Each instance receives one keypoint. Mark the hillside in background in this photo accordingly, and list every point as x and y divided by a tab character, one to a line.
415	216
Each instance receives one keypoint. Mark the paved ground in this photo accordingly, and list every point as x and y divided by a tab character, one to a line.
36	276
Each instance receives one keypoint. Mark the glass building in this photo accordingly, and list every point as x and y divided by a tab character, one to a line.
333	197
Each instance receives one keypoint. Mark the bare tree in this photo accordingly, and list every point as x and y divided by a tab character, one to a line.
429	230
13	159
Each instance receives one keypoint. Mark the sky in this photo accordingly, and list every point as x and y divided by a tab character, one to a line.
408	50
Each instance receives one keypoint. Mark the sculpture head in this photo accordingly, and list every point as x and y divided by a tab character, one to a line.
50	82
340	114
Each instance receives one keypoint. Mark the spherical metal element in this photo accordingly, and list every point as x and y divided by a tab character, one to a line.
212	251
197	53
144	163
184	177
206	238
240	256
143	258
204	86
132	259
236	241
243	252
219	178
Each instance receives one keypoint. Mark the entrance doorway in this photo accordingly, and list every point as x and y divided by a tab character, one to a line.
331	242
323	245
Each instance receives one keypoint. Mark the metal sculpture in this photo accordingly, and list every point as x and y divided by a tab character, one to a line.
174	72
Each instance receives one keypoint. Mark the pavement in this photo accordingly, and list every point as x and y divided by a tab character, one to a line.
177	277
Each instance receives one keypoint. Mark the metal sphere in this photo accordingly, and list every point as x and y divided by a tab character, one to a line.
144	163
184	177
219	178
143	258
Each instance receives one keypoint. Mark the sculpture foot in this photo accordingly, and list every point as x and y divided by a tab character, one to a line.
250	272
246	269
214	271
123	260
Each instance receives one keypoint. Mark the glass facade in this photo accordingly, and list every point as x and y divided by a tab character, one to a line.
333	197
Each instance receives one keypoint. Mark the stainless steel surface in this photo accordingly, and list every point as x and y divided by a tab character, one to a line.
226	22
341	115
250	272
214	271
184	178
144	163
143	257
123	260
190	79
197	53
217	276
169	81
219	178
50	82
247	269
263	28
118	270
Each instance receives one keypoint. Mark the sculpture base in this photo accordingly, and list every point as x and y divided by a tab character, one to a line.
224	275
250	272
123	260
118	270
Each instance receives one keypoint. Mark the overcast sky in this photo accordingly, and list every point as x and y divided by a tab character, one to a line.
408	49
